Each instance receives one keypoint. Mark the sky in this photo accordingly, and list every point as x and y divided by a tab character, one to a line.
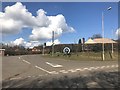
32	23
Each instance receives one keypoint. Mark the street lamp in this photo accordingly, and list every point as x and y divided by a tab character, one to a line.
53	43
103	53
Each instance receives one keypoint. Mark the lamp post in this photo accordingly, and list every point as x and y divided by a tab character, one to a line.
103	52
112	42
52	43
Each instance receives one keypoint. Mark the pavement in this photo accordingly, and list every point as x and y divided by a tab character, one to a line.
35	66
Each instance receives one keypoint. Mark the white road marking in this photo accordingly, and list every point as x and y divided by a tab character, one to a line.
78	69
102	67
26	61
107	66
116	65
63	71
15	78
113	66
54	65
71	70
28	76
53	72
85	68
90	69
19	57
42	69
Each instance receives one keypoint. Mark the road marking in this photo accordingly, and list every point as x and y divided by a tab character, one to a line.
19	57
78	69
53	72
28	76
90	69
71	70
15	78
116	65
85	68
113	66
54	65
26	61
107	66
42	69
63	71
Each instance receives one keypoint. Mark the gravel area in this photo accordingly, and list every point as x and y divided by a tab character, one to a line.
92	80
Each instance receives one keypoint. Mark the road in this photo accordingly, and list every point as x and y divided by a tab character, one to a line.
34	66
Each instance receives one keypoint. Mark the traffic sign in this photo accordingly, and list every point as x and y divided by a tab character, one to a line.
66	50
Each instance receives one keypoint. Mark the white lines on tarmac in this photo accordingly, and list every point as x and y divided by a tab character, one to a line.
54	65
15	78
84	69
26	61
42	69
65	71
19	57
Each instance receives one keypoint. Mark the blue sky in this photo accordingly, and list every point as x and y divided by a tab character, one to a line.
85	18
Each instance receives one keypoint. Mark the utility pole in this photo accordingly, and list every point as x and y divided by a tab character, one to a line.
44	45
103	53
43	49
52	43
112	43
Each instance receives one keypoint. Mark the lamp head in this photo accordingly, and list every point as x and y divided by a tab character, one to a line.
109	8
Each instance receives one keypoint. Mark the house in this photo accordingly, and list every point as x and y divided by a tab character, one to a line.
35	50
99	41
2	52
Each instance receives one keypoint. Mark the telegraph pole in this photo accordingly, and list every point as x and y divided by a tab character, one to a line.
103	53
43	49
44	45
112	43
52	43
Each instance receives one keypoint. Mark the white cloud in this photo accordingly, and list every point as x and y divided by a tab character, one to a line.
57	24
17	17
49	43
31	44
22	42
19	41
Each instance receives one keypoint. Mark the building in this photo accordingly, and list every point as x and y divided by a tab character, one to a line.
109	43
100	41
2	52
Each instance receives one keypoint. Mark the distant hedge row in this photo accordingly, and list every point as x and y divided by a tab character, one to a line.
25	52
59	48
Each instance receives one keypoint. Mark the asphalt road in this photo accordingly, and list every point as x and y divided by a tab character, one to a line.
34	66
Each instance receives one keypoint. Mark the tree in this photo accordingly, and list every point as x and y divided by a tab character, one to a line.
79	42
96	36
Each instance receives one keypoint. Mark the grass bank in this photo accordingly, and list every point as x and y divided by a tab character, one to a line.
84	56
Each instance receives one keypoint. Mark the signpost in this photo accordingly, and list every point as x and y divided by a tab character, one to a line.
66	50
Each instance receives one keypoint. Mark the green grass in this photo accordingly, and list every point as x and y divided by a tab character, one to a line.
85	56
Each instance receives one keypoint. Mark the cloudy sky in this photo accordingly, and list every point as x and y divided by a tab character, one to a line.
31	24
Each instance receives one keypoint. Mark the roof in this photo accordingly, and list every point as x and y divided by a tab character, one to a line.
99	40
90	41
103	40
